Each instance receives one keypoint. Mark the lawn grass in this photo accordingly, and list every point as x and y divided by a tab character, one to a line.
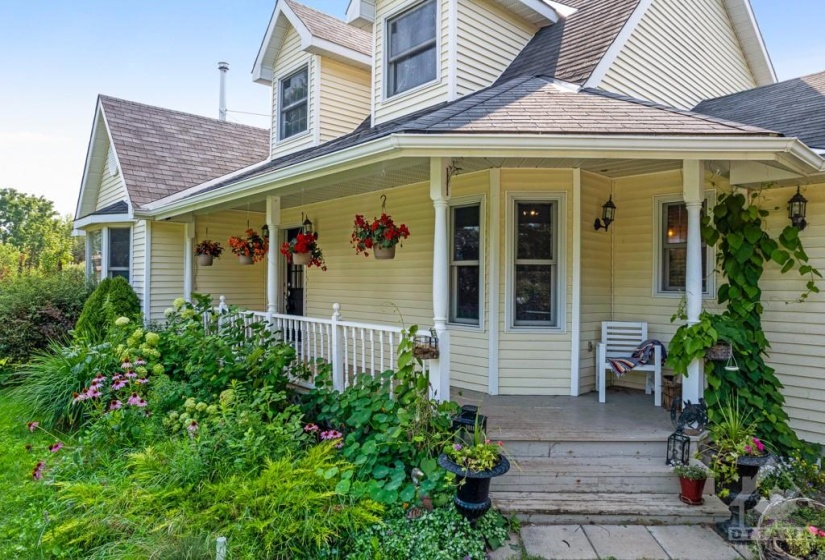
22	501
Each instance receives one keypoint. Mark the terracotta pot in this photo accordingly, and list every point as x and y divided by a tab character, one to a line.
244	260
301	259
473	497
692	491
205	260
384	253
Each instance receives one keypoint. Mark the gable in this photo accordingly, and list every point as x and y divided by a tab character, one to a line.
678	54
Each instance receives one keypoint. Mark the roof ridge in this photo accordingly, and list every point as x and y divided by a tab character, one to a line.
684	112
103	97
766	86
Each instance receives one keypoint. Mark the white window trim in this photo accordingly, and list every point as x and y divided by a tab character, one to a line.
658	202
482	261
560	198
386	51
303	65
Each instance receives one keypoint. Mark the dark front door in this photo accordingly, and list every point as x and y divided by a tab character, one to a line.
295	282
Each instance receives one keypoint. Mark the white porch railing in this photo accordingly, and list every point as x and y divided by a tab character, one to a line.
349	347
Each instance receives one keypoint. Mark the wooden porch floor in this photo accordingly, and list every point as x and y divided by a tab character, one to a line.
628	415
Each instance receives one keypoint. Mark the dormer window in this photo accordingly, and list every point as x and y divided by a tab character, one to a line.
294	110
411	48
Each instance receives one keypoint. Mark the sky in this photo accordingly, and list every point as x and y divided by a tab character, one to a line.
58	56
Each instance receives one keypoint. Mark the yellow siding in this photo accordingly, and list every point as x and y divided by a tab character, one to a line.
292	58
344	98
242	285
395	292
112	188
795	330
596	266
535	363
469	346
680	53
417	98
633	258
489	38
138	257
166	273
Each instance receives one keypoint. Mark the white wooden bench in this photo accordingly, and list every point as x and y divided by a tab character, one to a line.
619	340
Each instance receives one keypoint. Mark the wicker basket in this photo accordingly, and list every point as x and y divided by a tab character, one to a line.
719	352
772	551
425	347
671	388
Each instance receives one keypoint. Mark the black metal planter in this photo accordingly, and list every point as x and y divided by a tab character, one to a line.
473	497
741	498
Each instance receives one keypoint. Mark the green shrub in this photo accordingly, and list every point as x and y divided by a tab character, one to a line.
390	427
36	309
112	298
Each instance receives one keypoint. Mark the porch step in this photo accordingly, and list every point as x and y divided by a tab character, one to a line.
616	508
589	474
581	446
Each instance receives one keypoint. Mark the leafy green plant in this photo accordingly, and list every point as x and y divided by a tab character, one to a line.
744	249
479	454
691	472
390	427
732	435
794	475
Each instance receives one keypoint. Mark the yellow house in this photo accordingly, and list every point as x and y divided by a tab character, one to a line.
497	131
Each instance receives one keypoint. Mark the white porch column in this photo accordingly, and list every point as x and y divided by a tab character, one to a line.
693	191
188	259
439	193
104	253
273	220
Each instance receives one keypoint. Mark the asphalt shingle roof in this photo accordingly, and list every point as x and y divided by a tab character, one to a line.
570	49
119	207
162	152
333	29
526	105
794	107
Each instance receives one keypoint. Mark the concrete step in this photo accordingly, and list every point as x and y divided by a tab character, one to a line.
589	474
583	447
618	508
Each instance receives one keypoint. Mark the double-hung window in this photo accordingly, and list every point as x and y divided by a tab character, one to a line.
673	232
465	264
535	264
411	48
120	245
293	106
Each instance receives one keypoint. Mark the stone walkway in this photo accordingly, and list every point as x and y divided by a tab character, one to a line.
621	542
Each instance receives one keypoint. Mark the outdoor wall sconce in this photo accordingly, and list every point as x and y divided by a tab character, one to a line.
608	215
796	210
265	231
678	448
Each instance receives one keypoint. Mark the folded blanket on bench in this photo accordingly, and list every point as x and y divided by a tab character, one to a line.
640	356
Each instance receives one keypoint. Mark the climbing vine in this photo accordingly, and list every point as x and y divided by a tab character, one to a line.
744	249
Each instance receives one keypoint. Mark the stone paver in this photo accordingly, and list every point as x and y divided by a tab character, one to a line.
510	550
693	542
557	542
624	542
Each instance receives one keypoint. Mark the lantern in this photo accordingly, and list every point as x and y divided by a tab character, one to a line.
608	215
797	206
678	448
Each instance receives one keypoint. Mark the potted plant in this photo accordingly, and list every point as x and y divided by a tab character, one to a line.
303	250
792	530
381	236
736	454
692	480
250	249
475	463
207	250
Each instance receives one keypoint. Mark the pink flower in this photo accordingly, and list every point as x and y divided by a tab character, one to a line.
331	434
487	441
117	377
759	445
140	362
126	365
33	426
311	428
142	403
56	446
81	396
37	473
133	400
192	428
115	404
748	449
142	381
130	374
501	444
458	446
118	385
815	531
93	393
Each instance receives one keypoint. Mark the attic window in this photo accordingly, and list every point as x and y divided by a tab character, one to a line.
293	104
111	161
411	48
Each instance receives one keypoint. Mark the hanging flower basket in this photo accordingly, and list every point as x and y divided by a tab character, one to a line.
206	251
381	236
719	352
250	249
304	250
